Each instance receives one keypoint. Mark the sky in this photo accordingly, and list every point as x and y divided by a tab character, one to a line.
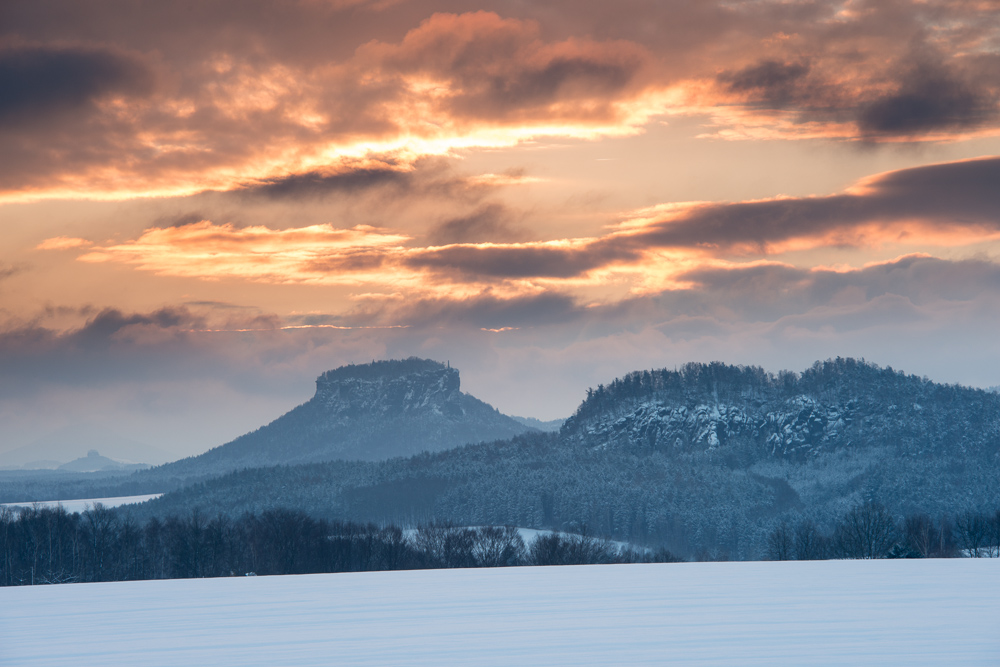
205	204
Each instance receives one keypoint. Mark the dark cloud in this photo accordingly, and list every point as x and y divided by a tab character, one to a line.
38	81
883	70
928	99
584	74
102	329
394	184
770	292
776	83
359	261
8	270
487	223
516	261
935	199
113	346
484	311
179	220
943	196
317	184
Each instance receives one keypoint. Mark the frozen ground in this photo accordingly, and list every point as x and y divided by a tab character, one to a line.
914	613
85	504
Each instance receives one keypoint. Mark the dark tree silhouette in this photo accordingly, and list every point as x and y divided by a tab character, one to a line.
867	531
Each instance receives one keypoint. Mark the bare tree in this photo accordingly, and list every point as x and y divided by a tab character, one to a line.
920	535
973	531
447	545
809	543
498	546
867	531
780	543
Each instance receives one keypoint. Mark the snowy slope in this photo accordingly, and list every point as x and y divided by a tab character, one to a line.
933	612
82	505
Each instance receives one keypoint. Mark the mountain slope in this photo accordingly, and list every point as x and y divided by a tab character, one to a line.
366	412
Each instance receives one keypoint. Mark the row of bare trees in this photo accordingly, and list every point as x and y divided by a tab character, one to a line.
49	545
870	531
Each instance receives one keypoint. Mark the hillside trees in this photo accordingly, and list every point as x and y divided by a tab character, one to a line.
869	531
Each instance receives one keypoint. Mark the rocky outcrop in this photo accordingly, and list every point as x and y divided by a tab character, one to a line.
743	411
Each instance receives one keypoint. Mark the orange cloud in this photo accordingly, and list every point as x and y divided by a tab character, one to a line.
314	254
153	115
950	204
62	243
454	82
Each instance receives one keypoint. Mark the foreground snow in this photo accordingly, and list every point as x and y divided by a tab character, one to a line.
933	612
84	504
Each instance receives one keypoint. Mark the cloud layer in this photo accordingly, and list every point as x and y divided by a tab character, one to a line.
277	96
949	204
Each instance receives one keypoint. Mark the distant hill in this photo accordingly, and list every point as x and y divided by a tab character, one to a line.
365	412
74	441
708	457
94	462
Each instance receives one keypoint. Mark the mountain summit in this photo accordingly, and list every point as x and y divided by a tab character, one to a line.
367	412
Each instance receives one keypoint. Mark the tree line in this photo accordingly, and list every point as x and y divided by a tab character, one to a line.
42	545
871	531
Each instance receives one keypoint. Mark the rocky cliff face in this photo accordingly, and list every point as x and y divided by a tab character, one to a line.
837	405
799	428
367	412
389	390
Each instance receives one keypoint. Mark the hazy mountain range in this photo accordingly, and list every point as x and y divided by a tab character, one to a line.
69	443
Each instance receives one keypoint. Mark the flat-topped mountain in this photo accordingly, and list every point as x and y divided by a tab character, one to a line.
366	412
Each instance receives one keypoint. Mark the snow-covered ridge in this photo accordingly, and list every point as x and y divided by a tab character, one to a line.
834	405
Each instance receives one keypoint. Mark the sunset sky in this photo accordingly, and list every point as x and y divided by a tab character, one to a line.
205	204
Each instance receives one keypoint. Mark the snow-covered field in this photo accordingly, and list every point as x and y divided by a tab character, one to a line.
919	612
85	504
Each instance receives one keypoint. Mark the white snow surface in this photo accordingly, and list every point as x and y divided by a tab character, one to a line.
85	504
906	612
